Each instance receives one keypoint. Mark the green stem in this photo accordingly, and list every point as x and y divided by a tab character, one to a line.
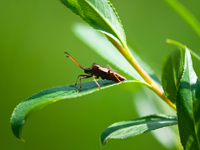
183	47
153	85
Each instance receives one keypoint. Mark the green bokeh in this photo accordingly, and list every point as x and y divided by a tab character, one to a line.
33	36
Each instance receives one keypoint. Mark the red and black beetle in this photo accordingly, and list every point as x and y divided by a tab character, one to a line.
97	71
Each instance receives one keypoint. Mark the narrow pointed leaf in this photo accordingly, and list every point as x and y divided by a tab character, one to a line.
197	56
34	103
130	128
196	111
101	15
188	106
105	49
185	14
172	73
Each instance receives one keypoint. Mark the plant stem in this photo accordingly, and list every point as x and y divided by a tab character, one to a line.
153	85
149	80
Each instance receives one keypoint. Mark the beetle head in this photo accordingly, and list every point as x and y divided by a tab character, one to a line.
88	70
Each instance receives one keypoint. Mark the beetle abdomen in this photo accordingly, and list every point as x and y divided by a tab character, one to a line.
106	73
110	75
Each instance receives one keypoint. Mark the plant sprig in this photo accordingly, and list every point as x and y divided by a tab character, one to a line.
180	85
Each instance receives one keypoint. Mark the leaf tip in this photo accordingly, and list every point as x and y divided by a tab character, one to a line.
17	135
102	144
16	126
103	141
21	139
168	40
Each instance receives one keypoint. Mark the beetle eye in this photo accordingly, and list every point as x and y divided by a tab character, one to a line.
86	70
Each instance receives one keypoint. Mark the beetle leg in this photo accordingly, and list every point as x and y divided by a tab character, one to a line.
97	78
118	78
77	80
108	66
82	77
96	82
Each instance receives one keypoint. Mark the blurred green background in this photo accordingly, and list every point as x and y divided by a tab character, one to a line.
33	36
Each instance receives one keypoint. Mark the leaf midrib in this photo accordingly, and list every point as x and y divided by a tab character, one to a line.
135	126
101	16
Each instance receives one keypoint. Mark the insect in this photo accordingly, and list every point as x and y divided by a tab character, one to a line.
97	71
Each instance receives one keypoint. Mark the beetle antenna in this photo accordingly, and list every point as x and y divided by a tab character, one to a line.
74	60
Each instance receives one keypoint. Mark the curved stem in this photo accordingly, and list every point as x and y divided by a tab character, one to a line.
153	85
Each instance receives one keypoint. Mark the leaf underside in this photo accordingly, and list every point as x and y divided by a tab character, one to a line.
101	15
48	96
130	128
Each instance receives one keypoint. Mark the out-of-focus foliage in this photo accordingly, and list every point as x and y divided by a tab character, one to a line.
33	37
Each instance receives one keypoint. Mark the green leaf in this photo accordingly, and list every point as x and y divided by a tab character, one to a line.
105	49
171	74
130	128
34	103
196	111
182	87
185	14
101	15
197	56
188	106
146	102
